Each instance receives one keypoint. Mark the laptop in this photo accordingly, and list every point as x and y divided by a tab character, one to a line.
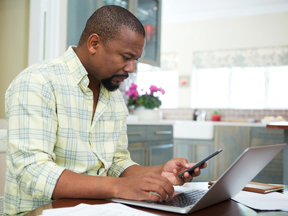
230	183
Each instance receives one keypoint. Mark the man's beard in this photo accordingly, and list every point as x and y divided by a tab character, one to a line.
107	83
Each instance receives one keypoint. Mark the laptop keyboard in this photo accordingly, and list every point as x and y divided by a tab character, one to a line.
184	199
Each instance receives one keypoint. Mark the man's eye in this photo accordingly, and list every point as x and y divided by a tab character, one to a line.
126	58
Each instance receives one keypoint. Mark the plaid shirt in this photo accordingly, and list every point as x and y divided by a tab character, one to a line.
49	112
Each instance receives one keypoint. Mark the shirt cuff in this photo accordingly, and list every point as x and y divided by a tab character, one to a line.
116	169
49	182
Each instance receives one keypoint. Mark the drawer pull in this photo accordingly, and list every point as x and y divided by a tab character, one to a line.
163	132
134	133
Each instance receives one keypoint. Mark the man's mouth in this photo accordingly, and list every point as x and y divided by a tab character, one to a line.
121	78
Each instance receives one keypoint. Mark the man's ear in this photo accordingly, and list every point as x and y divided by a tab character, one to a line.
93	43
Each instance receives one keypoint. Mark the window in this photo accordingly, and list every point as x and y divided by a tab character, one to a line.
168	80
240	87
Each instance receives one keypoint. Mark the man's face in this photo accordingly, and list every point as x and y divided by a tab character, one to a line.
116	59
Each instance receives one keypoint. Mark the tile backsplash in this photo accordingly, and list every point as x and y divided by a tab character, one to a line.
226	114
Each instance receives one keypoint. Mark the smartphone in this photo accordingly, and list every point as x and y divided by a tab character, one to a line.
190	170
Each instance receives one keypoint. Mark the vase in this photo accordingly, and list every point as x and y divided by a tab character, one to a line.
216	117
151	115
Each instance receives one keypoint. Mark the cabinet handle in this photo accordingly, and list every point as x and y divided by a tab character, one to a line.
163	132
134	133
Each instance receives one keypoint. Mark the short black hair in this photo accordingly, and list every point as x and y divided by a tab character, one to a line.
108	21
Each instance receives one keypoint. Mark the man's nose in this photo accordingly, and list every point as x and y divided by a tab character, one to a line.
130	66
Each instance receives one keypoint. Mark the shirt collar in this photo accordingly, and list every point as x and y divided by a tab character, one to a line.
76	68
78	71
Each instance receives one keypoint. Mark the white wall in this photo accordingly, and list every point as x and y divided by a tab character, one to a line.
218	34
14	25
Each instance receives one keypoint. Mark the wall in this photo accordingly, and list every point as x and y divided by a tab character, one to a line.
228	115
14	25
220	34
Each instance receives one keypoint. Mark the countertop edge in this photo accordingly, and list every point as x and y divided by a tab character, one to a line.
173	122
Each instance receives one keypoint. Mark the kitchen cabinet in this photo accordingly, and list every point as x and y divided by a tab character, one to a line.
138	152
194	151
233	141
273	172
150	145
78	12
147	11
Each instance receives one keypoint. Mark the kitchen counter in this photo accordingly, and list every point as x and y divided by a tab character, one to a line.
162	122
173	122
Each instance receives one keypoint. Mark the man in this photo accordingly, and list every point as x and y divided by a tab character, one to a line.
67	123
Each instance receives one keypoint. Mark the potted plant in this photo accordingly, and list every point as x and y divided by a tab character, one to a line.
145	102
216	116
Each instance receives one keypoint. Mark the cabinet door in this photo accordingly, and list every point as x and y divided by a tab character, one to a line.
138	152
159	153
195	151
149	13
233	141
121	3
136	133
163	132
273	172
78	13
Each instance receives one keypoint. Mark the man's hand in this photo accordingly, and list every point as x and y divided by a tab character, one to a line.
137	182
140	186
173	168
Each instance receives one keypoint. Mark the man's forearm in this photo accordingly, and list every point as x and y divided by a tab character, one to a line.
136	182
136	169
74	185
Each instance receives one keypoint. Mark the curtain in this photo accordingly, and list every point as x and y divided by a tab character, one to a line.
252	57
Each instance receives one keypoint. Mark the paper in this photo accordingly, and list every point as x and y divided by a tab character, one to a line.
109	209
269	201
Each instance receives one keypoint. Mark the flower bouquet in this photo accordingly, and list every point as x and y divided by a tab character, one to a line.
148	99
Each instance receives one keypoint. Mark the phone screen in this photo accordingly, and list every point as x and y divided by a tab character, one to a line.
190	170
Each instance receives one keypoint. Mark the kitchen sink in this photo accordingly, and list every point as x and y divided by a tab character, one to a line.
193	130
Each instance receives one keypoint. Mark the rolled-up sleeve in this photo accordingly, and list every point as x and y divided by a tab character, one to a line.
32	127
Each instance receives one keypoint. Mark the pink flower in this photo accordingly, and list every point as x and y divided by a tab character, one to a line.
133	86
136	94
128	93
162	90
153	89
132	91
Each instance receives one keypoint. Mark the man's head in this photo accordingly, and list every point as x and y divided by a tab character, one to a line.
115	39
107	23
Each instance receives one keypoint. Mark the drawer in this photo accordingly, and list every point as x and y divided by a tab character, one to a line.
136	133
261	132
159	132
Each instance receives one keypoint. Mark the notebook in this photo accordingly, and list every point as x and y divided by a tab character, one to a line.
257	187
231	182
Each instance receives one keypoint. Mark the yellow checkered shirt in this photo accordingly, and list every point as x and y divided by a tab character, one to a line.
49	112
